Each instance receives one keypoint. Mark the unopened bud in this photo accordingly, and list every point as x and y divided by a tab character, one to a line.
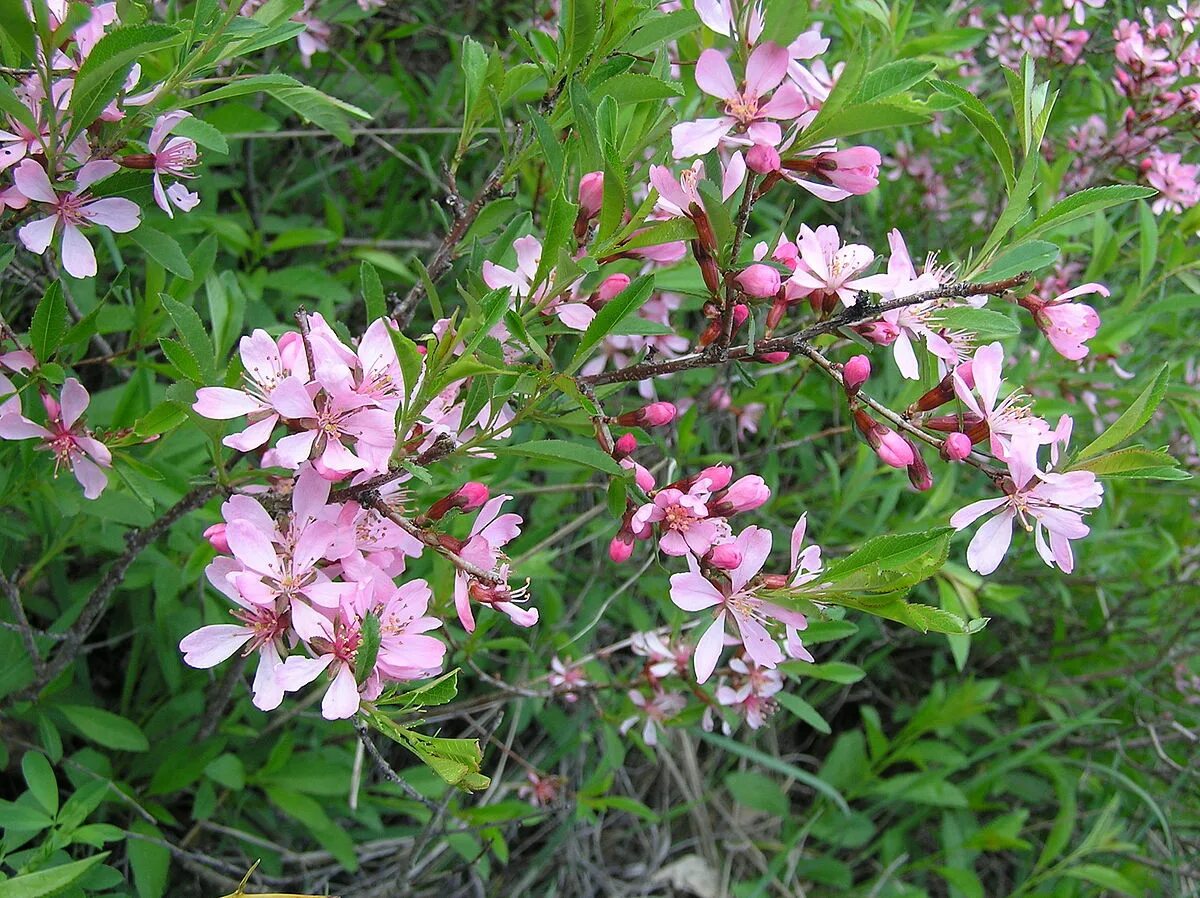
919	474
725	556
773	358
855	373
621	547
891	448
611	286
758	280
656	414
881	333
747	494
467	497
625	446
216	537
763	159
591	193
136	160
956	447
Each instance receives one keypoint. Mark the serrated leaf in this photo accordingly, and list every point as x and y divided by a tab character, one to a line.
1031	256
985	123
1086	202
577	454
193	333
163	250
893	78
616	310
49	323
1132	419
327	113
372	291
368	647
1132	462
986	324
49	882
203	133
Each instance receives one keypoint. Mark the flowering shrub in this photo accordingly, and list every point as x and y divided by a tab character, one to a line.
725	321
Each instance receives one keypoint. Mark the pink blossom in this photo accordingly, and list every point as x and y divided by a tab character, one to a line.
173	156
830	269
758	280
763	159
683	519
72	210
664	657
66	435
1175	181
676	196
956	447
745	494
855	373
591	194
518	280
1046	503
748	113
750	690
1078	8
1067	325
737	600
1010	424
566	680
657	709
490	532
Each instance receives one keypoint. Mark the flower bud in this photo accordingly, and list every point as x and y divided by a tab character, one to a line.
725	556
944	391
467	497
919	474
740	313
892	449
136	160
758	280
718	477
621	547
591	193
881	333
656	414
216	537
747	494
773	358
855	373
956	447
763	158
625	446
611	286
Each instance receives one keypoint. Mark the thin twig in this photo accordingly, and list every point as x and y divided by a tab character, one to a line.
364	735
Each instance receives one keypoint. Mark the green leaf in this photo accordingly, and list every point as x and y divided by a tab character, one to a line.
1086	202
151	861
986	324
227	770
578	454
49	323
42	782
438	691
203	133
105	728
860	118
327	113
770	762
581	19
240	87
660	29
1134	462
803	711
163	250
761	793
410	358
457	761
182	358
1031	256
833	671
368	648
893	78
670	231
474	66
372	291
193	333
1105	877
612	313
631	87
1132	419
985	123
103	73
889	552
48	882
921	788
1148	241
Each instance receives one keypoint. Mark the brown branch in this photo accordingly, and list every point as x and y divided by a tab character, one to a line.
93	609
856	314
364	735
464	216
430	539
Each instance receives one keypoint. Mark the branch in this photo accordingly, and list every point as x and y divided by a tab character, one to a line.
856	314
93	609
364	735
22	625
431	540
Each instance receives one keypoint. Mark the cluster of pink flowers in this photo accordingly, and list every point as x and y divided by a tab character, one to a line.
1046	37
50	159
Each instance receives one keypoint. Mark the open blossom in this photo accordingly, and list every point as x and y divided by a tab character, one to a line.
566	679
1010	425
1067	325
1176	182
172	156
71	210
737	602
664	657
683	519
516	280
657	709
829	269
749	691
1052	505
65	434
676	196
490	532
749	115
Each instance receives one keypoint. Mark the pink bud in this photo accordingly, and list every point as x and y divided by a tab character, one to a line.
747	494
855	373
468	497
759	280
956	447
967	374
881	333
718	476
625	446
611	286
763	159
621	547
656	414
740	313
725	556
773	358
643	478
216	537
894	450
591	193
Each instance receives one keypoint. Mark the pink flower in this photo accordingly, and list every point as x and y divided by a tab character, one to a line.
745	494
738	601
750	691
267	364
566	680
519	280
759	280
763	159
834	175
175	157
747	112
676	196
664	657
956	447
1046	503
855	373
1175	181
683	519
591	194
1067	325
72	210
830	269
1011	425
657	709
66	436
490	532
